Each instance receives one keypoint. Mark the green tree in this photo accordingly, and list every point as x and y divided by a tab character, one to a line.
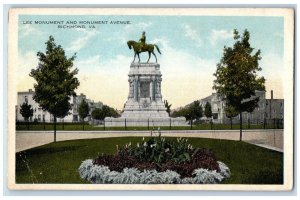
105	111
191	112
195	110
55	81
168	106
109	112
97	114
26	111
83	111
236	75
207	110
230	113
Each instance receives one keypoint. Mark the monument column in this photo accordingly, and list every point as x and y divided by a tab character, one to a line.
153	89
135	90
138	87
151	97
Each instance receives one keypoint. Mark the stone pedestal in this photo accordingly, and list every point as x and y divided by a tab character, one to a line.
144	106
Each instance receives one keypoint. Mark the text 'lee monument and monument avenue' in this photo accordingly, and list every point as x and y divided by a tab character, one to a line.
144	105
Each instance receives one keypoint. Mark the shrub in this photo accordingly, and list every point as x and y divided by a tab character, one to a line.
103	175
161	155
159	150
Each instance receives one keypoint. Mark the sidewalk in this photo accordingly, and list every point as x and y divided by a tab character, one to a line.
271	138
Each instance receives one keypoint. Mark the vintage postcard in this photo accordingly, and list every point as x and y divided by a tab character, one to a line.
150	99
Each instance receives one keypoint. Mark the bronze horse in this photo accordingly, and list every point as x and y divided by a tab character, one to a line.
146	48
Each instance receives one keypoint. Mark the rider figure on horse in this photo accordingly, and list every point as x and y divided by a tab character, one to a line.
143	40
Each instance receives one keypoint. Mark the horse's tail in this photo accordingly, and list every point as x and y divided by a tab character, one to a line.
157	49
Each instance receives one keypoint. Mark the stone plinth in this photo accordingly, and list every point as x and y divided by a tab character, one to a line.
144	104
162	121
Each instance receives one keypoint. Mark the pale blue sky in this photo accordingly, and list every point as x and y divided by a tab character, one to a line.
190	44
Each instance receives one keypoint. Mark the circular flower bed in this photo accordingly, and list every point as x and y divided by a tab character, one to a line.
156	161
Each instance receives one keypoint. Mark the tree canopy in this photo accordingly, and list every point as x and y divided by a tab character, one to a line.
26	111
105	111
55	81
97	114
236	75
207	110
83	110
193	111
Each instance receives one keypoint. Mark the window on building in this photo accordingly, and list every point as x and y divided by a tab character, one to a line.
215	115
26	99
39	117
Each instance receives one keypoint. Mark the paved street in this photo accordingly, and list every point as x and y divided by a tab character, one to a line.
271	138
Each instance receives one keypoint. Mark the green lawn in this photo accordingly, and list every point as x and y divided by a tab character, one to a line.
72	127
58	162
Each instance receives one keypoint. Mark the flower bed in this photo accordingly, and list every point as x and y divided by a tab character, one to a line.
102	174
156	161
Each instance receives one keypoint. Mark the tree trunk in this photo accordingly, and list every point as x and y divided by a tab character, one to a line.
54	128
241	126
230	122
82	124
27	124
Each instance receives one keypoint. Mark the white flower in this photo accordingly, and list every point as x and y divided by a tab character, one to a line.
145	144
143	138
138	145
158	128
167	149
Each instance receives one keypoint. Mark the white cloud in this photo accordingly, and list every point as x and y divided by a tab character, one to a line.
105	81
192	34
185	77
144	25
140	25
280	35
219	35
82	40
28	29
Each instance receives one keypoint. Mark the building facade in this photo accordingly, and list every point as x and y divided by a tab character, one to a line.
267	109
39	115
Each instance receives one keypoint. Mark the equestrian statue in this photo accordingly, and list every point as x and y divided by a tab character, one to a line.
142	46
